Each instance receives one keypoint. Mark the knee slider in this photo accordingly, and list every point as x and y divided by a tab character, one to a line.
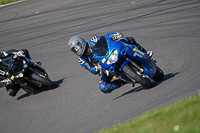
12	92
104	87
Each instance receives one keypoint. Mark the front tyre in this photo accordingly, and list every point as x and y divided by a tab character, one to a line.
46	82
139	78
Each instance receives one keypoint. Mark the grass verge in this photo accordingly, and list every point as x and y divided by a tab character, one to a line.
181	117
3	2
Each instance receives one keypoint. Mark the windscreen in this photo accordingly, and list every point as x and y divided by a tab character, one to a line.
101	47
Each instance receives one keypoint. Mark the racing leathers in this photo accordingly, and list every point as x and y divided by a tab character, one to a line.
12	89
107	83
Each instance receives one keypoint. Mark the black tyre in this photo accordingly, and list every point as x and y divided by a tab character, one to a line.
131	73
44	81
159	75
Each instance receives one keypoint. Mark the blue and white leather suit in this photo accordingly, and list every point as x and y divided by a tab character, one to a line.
86	61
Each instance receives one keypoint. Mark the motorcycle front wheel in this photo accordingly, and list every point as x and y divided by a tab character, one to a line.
129	71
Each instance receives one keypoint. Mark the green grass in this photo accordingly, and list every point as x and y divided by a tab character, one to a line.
2	2
181	117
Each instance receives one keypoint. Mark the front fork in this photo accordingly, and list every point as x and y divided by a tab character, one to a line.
139	70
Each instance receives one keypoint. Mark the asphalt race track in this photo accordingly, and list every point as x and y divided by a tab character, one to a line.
170	28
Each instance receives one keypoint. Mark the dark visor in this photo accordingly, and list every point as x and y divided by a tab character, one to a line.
77	47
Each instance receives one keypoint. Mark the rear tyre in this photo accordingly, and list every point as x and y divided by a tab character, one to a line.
44	81
143	80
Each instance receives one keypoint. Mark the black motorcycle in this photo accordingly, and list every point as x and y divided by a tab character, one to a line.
25	72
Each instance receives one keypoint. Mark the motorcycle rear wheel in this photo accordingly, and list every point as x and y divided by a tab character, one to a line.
44	81
131	73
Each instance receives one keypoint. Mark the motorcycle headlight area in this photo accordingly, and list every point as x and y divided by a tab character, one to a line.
19	75
113	57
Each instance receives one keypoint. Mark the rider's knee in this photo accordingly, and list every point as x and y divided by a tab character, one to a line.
104	87
12	91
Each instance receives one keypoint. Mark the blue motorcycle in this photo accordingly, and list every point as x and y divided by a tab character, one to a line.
126	62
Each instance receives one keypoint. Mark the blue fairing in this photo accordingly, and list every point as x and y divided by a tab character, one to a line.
111	46
125	50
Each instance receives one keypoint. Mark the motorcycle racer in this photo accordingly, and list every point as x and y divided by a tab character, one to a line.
12	89
83	49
